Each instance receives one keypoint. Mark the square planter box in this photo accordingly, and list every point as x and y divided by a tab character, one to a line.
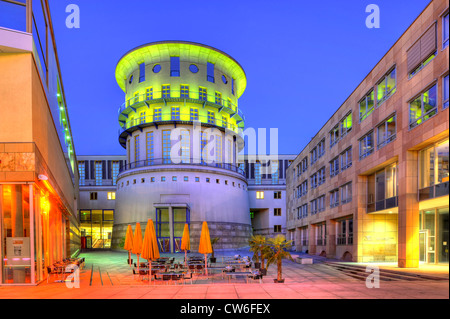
304	261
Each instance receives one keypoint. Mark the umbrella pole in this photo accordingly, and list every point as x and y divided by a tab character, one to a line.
206	265
139	273
185	258
129	258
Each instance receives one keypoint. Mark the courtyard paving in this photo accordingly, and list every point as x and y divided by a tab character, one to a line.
106	275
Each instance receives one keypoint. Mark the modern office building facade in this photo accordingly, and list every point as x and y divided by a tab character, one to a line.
38	173
372	185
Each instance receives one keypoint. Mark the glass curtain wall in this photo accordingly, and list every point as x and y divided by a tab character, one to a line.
433	236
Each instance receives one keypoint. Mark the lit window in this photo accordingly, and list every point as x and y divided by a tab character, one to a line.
197	179
175	113
149	148
366	106
136	149
211	117
224	122
259	195
202	93
423	107
445	30
210	72
387	131
184	91
152	179
163	178
445	89
194	114
174	178
98	173
275	172
218	150
166	91
174	66
185	146
149	93
82	172
115	171
186	179
167	145
258	173
219	98
387	86
157	114
142	118
111	195
203	147
346	124
366	145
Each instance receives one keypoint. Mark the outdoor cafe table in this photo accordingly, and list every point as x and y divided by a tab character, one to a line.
236	273
61	268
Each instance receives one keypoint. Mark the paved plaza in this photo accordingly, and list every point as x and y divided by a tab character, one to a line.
106	275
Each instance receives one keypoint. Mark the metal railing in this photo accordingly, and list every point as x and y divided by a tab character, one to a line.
177	95
180	161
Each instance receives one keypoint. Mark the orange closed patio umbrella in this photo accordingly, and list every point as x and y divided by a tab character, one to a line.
129	243
150	250
137	242
185	242
205	244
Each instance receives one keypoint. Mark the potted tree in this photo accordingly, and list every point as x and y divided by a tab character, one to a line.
278	251
213	242
258	245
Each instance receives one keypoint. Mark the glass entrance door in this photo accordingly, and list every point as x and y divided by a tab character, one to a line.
423	235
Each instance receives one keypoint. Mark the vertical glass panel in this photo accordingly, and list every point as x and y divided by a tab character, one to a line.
442	162
443	234
210	72
141	72
16	244
380	185
174	66
13	16
391	181
426	172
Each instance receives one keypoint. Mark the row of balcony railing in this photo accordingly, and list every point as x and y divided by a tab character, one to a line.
176	95
181	161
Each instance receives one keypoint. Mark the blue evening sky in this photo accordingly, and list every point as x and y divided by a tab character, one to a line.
302	58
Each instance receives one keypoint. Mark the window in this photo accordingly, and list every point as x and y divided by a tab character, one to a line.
174	178
218	149
277	228
366	145
275	172
334	135
259	195
175	114
366	106
422	51
277	212
194	114
202	93
174	66
445	89
98	173
423	107
345	232
193	68
152	179
304	211
387	131
321	148
203	147
93	195
208	180
141	72
166	91
156	68
382	189
157	114
434	171
211	118
111	195
136	149
115	171
277	195
302	189
258	173
166	146
142	118
184	91
210	72
334	198
149	93
346	124
314	155
185	146
136	97
82	172
346	193
219	98
197	179
232	79
224	122
149	148
314	181
321	204
130	80
163	178
321	176
313	205
386	87
445	27
334	167
346	159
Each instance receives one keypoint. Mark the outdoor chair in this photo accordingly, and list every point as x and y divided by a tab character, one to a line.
50	272
187	276
167	278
